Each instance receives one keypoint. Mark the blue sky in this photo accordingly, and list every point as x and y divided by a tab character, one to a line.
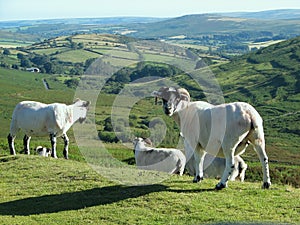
44	9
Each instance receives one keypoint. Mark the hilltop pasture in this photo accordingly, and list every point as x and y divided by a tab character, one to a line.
33	192
38	190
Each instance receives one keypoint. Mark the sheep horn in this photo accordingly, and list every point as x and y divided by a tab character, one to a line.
184	94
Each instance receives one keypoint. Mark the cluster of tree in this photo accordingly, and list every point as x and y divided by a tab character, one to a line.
138	126
142	69
234	43
43	62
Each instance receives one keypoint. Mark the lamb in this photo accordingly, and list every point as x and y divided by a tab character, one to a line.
214	167
43	151
167	160
39	119
220	130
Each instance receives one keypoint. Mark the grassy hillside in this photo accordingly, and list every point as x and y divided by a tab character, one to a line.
269	79
37	190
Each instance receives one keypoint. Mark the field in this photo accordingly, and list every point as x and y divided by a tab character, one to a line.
33	192
38	190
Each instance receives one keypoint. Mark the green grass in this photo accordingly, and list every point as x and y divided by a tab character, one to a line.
37	190
76	56
17	86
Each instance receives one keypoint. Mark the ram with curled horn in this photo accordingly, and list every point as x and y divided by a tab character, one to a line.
221	130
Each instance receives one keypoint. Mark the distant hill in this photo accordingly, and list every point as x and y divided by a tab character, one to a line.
51	28
279	14
194	26
274	23
80	21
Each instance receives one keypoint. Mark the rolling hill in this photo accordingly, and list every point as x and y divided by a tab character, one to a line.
267	78
279	14
272	23
194	26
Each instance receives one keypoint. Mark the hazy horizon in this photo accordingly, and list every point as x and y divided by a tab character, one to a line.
57	9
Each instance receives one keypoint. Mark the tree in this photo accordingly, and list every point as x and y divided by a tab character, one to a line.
107	124
15	66
49	67
80	45
20	56
72	83
6	52
40	59
25	62
73	45
88	62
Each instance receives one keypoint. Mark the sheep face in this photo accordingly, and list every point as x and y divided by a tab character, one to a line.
82	108
171	98
170	105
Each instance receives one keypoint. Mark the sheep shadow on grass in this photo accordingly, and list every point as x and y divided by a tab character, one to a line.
76	200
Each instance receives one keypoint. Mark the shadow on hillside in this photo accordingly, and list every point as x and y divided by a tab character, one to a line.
76	200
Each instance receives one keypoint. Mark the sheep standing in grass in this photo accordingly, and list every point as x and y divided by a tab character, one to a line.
161	159
221	130
39	119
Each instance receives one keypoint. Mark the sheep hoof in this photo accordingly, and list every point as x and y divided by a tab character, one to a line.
197	179
13	152
220	186
266	185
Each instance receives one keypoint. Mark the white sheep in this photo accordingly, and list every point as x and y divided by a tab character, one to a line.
221	130
160	159
43	151
39	119
213	167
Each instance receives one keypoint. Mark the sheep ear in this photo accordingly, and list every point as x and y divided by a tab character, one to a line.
147	141
160	92
76	100
185	97
87	104
156	94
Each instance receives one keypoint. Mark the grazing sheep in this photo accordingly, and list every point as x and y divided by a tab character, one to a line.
215	166
221	130
43	151
160	159
39	119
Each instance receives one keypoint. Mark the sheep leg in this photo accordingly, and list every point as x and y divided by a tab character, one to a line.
53	145
228	170
181	170
26	141
235	171
199	161
259	147
11	140
66	146
243	167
